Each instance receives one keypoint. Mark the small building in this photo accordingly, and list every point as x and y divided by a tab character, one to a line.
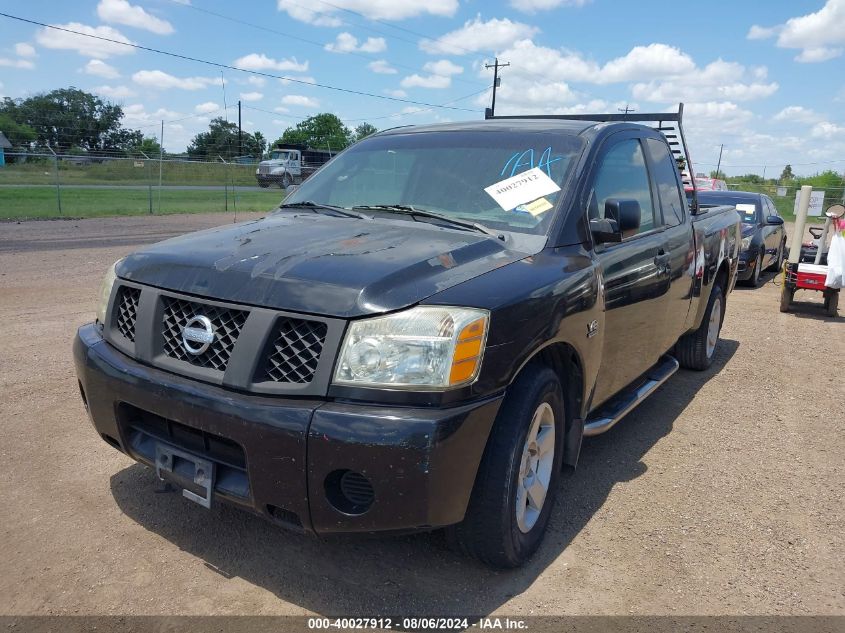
4	145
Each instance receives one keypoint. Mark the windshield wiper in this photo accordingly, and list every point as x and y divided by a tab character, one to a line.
317	206
414	212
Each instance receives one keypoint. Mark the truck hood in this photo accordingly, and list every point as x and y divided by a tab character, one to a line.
319	264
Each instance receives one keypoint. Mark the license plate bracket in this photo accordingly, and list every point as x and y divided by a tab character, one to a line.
179	464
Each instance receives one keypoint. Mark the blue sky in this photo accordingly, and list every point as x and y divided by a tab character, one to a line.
767	79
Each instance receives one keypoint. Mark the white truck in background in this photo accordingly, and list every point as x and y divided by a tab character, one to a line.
290	165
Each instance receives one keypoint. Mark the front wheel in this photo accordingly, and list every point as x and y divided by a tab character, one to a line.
758	268
778	263
263	184
696	350
517	480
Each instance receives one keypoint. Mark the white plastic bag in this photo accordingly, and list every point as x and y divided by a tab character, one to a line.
836	262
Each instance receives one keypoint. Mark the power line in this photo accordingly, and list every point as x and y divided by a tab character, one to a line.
321	45
234	68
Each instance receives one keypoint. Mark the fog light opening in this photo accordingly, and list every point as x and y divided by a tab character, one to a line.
349	492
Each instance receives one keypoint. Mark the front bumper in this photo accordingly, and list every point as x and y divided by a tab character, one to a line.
283	458
746	264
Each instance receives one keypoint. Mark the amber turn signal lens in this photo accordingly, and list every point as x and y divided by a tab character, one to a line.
467	357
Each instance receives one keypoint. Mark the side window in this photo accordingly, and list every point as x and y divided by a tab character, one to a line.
664	173
770	209
623	174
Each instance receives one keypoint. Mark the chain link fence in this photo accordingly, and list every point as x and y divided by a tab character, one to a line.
54	186
784	196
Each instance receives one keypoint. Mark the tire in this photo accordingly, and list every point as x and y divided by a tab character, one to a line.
786	296
263	184
696	350
493	530
285	182
754	280
831	304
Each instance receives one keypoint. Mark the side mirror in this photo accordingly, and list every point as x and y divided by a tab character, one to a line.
626	212
290	189
774	220
605	230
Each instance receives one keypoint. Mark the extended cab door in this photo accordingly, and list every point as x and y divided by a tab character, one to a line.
633	279
678	251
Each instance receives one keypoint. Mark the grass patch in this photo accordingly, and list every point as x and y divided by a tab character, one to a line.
40	202
125	172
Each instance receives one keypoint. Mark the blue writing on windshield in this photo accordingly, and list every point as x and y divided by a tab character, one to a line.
522	161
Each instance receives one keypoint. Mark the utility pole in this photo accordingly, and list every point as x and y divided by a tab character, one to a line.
719	163
496	83
240	132
626	109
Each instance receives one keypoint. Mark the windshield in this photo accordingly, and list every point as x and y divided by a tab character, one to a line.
746	208
279	155
447	173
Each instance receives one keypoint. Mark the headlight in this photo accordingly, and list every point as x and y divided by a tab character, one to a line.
746	242
427	347
105	292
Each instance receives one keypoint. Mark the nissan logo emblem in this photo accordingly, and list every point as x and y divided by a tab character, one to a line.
197	335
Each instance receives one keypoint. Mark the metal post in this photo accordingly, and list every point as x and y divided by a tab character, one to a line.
58	186
150	196
800	220
719	163
240	132
160	163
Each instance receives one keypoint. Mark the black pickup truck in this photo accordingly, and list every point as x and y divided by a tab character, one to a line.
422	333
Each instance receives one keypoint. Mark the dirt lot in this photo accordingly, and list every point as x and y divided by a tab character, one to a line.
722	494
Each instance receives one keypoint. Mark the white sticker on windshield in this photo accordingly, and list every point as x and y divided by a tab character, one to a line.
746	208
525	187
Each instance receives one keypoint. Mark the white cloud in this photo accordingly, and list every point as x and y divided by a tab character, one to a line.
256	81
381	67
348	43
428	81
818	54
477	35
281	109
654	60
533	6
160	80
86	46
252	96
16	63
325	13
121	12
724	116
99	68
259	61
22	49
819	35
302	78
206	108
798	114
757	32
300	100
397	93
826	129
115	92
443	67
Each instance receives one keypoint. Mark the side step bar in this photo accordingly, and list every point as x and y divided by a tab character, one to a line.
622	404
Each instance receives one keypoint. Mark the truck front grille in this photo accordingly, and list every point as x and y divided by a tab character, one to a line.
227	324
253	349
294	351
126	311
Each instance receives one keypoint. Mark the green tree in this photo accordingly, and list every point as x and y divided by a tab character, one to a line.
150	146
364	130
321	131
787	174
718	175
221	140
19	135
261	144
70	117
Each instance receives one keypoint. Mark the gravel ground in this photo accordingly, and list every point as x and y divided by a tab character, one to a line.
721	494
